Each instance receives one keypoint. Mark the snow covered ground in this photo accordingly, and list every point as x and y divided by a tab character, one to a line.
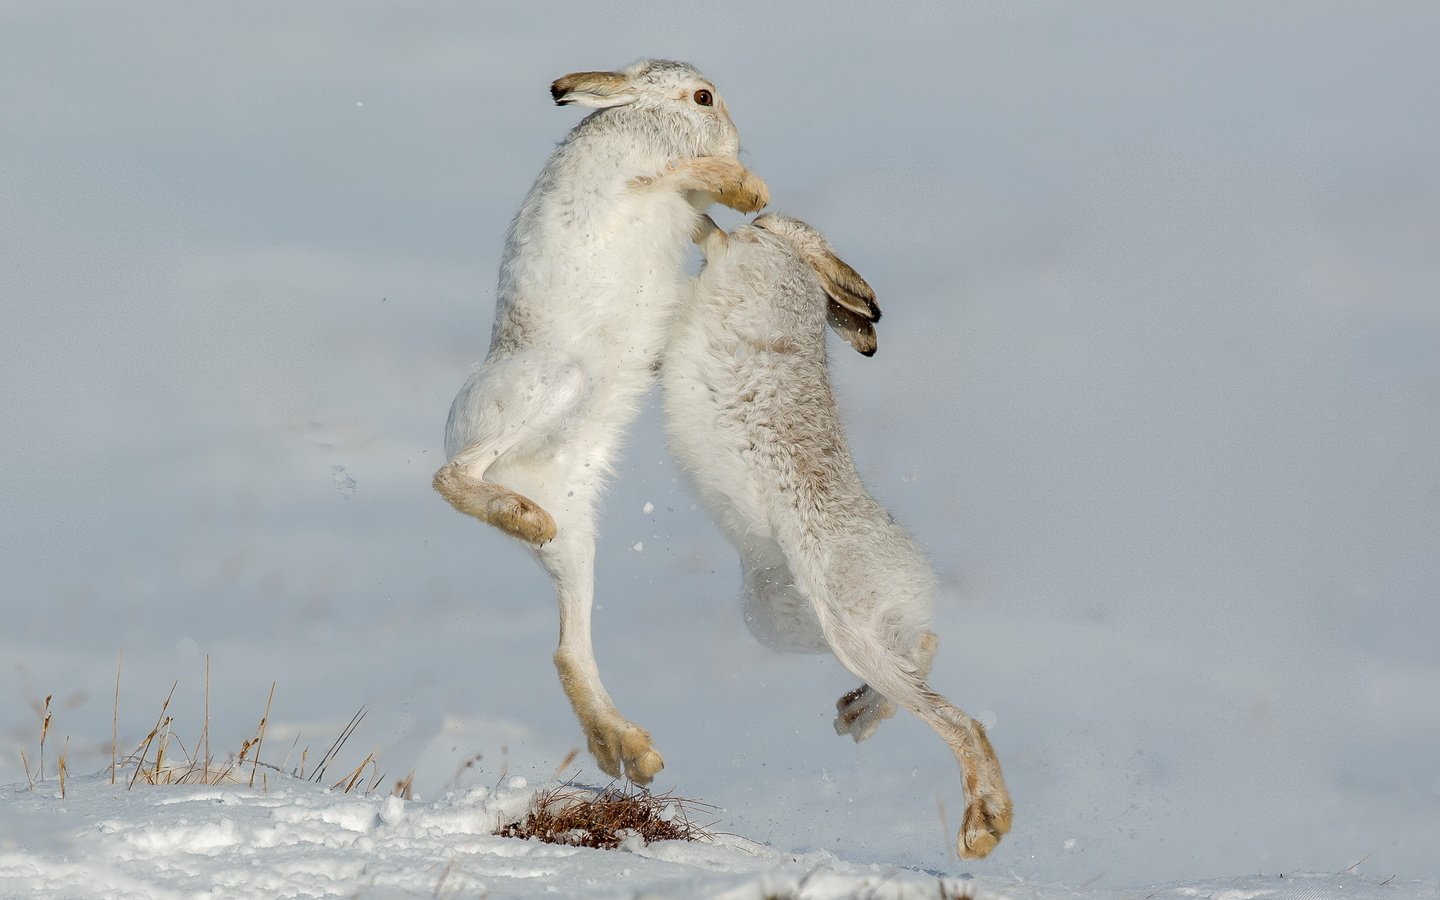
1158	387
299	840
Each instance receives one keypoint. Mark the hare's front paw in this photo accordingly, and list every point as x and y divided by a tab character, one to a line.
861	711
752	194
987	819
619	746
734	185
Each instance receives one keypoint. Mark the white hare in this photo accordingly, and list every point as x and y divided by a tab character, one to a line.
750	416
593	269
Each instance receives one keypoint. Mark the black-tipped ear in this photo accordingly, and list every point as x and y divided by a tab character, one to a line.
844	286
594	89
858	331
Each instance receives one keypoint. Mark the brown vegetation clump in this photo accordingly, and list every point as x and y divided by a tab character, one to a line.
162	758
584	817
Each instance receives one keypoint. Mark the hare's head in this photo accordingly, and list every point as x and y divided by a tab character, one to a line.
850	308
672	97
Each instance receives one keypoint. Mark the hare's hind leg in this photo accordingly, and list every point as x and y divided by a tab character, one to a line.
618	745
987	801
862	710
988	810
502	407
462	483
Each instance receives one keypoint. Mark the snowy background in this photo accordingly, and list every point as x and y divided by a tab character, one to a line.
1158	387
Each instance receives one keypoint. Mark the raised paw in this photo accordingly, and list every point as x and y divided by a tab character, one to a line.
728	179
501	507
523	518
861	711
752	194
987	819
622	746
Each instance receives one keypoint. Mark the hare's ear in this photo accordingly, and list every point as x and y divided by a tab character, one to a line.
857	331
850	303
850	306
842	284
593	89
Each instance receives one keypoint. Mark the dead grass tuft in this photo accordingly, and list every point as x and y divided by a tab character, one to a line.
583	817
161	757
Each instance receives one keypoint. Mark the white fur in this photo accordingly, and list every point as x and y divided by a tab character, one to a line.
592	272
751	418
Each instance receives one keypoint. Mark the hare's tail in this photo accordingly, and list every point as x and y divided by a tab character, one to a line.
863	649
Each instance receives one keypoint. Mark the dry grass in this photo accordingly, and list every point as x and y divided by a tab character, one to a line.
161	757
567	814
259	732
46	715
583	817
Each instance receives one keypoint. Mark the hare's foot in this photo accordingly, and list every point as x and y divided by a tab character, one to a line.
861	711
987	801
619	745
508	511
987	819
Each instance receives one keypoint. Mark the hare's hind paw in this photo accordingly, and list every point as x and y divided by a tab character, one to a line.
861	711
508	511
622	746
523	518
987	819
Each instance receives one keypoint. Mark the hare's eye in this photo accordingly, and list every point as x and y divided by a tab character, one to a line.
704	98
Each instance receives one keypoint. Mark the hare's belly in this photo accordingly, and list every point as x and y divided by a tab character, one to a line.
714	453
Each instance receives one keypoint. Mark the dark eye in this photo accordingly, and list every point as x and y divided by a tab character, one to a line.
704	98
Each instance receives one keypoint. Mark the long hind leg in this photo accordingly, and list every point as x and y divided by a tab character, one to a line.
987	801
783	619
988	810
862	710
618	745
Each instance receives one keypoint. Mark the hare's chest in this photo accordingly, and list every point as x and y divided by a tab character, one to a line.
634	339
